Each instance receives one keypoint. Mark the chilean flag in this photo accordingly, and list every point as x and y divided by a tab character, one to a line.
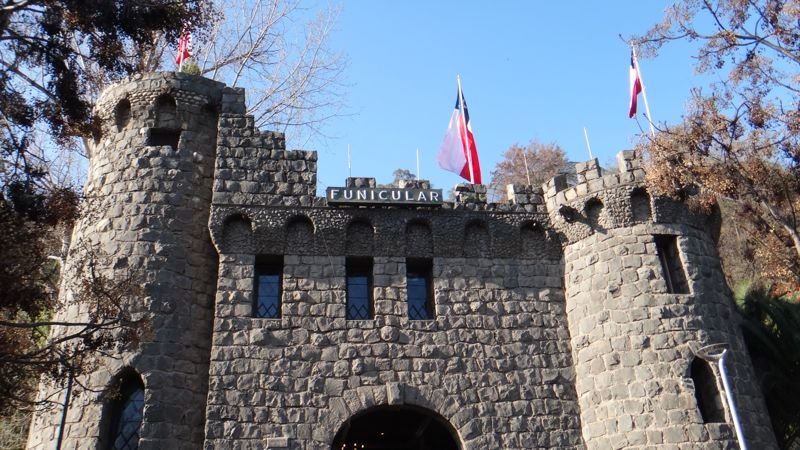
635	86
183	47
458	152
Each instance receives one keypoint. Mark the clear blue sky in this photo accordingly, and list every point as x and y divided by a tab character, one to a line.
530	69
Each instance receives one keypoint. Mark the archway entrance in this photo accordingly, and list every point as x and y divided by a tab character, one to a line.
396	428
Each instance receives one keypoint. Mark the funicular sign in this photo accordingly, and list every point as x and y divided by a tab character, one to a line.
384	196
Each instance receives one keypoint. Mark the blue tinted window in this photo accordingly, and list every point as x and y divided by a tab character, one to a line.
127	420
359	289
419	289
268	291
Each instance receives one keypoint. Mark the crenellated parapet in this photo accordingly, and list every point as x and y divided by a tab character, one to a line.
603	200
529	198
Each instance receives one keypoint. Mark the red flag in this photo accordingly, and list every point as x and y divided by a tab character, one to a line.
458	152
183	47
635	86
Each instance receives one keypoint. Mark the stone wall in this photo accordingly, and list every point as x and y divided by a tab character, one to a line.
495	362
254	167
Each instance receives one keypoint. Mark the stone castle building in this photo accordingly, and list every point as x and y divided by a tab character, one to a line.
569	317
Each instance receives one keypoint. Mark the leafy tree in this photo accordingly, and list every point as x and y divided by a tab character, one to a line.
44	47
771	327
740	139
278	50
51	52
29	280
56	56
737	250
533	165
283	59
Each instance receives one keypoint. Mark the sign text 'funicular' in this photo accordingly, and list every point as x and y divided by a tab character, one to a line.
395	196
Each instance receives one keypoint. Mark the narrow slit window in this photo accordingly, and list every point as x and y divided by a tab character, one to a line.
419	281
671	266
268	287
706	392
359	288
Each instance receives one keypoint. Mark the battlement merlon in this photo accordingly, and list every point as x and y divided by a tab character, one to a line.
253	167
591	179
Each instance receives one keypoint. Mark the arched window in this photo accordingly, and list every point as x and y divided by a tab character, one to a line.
706	392
166	112
167	131
360	237
419	239
122	114
237	234
594	213
126	414
300	236
533	241
477	235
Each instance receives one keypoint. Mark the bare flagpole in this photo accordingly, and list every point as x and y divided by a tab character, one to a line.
588	147
644	90
349	166
525	160
418	174
466	131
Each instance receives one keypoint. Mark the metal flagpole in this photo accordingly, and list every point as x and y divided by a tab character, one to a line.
418	174
466	131
719	358
644	91
349	167
525	160
588	147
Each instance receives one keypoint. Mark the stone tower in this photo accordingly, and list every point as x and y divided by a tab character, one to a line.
644	295
149	190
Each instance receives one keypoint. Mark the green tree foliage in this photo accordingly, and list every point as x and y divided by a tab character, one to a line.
771	326
190	67
532	164
740	139
14	430
45	46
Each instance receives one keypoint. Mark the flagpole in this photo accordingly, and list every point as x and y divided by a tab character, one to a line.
349	167
588	147
525	160
467	149
418	174
644	90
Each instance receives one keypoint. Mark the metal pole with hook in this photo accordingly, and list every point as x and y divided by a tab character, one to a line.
719	358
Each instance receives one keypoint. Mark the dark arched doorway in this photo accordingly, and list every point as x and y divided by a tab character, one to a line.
396	428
